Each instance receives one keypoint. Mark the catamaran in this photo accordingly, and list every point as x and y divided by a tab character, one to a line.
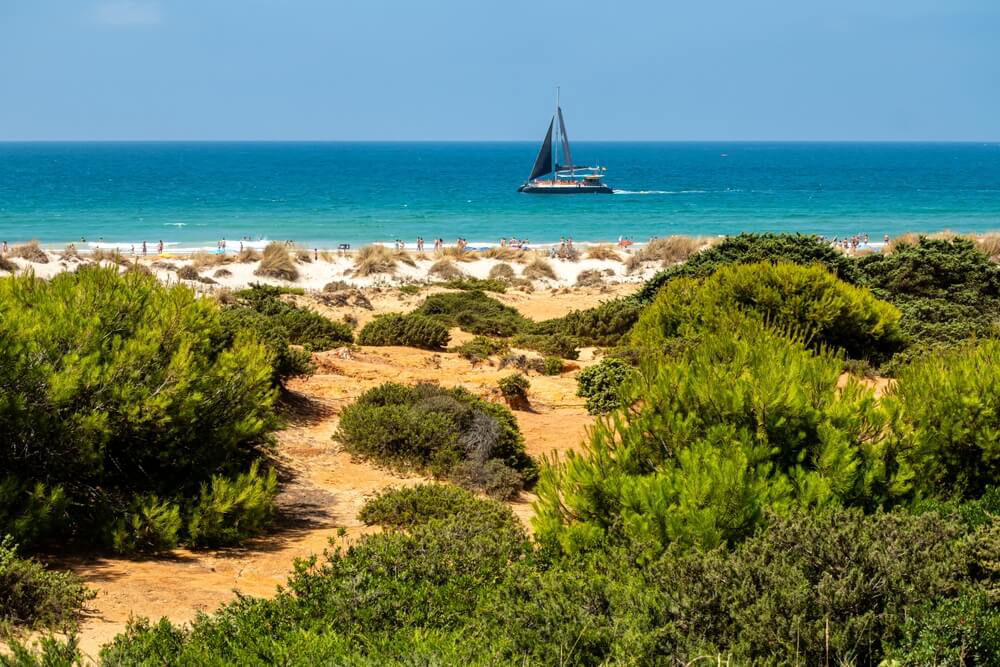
567	179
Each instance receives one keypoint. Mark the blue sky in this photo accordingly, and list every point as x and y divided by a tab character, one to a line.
457	70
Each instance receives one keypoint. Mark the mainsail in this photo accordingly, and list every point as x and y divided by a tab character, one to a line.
543	163
567	158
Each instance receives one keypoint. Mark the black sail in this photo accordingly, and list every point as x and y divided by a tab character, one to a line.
543	163
567	158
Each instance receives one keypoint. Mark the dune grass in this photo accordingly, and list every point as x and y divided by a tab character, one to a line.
538	269
203	260
445	269
502	272
248	256
374	259
31	252
456	253
603	252
277	263
505	253
668	251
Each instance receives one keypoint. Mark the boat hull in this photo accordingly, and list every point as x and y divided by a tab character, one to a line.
530	188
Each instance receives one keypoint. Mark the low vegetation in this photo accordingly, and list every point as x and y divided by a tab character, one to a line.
436	430
538	269
603	385
373	260
31	252
33	597
411	330
514	387
445	269
473	311
276	262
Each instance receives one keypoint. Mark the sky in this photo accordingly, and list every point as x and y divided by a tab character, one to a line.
908	70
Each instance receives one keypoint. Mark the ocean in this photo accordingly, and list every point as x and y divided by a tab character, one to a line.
323	194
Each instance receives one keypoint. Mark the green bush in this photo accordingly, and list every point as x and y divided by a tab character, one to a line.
555	345
742	422
958	631
477	284
948	291
286	362
753	249
304	327
426	427
950	410
514	386
482	347
492	477
229	510
116	389
474	312
34	597
406	330
603	326
552	366
149	524
602	384
413	506
807	301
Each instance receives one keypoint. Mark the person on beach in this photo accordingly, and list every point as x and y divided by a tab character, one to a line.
132	251
420	244
143	248
3	253
159	247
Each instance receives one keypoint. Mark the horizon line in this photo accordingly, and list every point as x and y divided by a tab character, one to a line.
501	141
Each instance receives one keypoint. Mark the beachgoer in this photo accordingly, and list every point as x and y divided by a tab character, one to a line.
159	247
133	250
143	248
241	246
886	239
316	254
420	244
3	253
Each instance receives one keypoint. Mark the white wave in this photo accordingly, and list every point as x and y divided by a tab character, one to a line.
657	192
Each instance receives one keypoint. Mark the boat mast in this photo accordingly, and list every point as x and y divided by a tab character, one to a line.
555	163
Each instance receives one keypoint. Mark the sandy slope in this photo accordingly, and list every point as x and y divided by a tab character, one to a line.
326	488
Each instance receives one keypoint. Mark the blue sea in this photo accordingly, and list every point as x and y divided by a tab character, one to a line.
322	194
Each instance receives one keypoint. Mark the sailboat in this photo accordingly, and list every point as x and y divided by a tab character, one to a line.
567	178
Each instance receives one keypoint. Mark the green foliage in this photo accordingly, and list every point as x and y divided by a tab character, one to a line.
514	386
492	477
406	330
947	290
34	597
229	510
482	347
602	384
477	284
807	301
149	524
474	312
604	325
742	422
950	411
752	249
427	427
556	345
552	366
413	506
43	652
957	631
304	327
286	362
114	388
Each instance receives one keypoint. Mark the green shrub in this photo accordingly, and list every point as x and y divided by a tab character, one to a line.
426	427
807	301
413	506
116	388
229	510
752	249
492	477
477	284
552	366
742	422
482	347
959	631
34	597
304	327
514	387
406	330
149	524
604	325
473	311
947	290
602	384
286	362
950	409
556	345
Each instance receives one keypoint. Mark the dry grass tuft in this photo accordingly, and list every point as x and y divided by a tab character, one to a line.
539	269
161	264
202	260
302	255
113	256
445	269
70	253
502	272
910	238
222	273
990	244
374	259
247	256
277	263
31	252
456	253
326	256
7	265
188	272
667	251
589	278
603	252
505	253
404	257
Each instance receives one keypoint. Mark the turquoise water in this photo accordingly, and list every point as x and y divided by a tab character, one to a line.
321	194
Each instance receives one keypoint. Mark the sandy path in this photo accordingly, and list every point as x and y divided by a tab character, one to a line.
325	492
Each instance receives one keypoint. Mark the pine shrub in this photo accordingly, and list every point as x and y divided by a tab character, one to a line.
482	347
414	506
603	385
474	312
552	366
407	330
604	325
148	525
304	327
514	387
229	510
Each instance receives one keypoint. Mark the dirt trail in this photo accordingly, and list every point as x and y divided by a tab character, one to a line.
326	488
